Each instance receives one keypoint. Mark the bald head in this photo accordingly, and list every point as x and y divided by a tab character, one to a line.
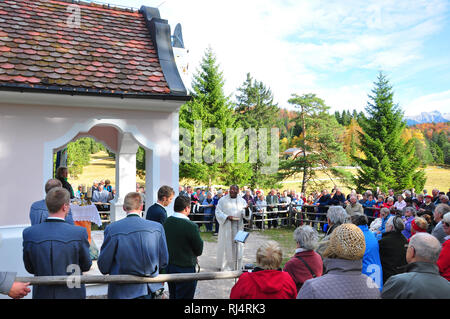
423	247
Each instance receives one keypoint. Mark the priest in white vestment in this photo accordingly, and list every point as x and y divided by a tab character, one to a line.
230	212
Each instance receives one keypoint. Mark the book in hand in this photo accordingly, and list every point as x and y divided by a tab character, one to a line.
241	236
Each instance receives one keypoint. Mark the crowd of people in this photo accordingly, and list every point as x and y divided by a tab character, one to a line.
204	201
371	235
404	252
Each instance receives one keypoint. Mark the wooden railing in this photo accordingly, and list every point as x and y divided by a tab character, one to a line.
128	279
288	215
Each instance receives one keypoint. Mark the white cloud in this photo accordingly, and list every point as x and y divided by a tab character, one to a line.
296	46
436	101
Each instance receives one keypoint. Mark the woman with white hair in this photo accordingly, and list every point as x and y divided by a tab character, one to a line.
393	248
336	216
266	281
389	202
400	203
306	263
444	257
385	214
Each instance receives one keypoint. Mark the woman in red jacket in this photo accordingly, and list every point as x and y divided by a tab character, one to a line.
389	202
266	281
306	263
444	258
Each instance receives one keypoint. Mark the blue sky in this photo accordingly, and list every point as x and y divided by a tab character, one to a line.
334	49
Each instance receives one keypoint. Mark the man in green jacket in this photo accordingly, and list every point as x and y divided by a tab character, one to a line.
185	245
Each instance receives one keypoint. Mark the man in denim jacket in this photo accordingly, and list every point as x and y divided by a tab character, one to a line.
39	211
133	246
56	248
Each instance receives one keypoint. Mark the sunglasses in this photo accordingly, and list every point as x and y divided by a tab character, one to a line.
446	224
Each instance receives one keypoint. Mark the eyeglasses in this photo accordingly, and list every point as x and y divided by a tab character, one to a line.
446	224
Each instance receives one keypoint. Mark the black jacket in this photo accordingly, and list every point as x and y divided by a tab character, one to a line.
156	213
338	199
67	186
393	247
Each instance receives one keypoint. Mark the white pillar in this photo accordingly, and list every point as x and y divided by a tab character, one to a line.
151	190
125	174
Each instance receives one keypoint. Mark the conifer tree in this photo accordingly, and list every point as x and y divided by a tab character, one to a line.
210	106
387	160
255	109
320	144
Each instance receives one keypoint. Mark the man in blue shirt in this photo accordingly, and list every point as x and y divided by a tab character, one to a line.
157	212
39	211
134	246
101	195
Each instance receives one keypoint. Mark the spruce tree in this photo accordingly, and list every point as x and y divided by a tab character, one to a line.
255	109
387	161
210	106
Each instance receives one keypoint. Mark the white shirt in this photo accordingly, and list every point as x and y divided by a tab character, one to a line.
180	215
56	218
161	205
137	214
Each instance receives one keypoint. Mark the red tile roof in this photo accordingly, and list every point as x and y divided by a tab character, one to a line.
111	52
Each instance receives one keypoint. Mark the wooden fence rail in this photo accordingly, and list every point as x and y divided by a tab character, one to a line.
288	215
128	279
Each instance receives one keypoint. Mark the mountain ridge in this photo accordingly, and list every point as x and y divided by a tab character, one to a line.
427	117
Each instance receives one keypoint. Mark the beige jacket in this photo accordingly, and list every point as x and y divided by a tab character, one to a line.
354	209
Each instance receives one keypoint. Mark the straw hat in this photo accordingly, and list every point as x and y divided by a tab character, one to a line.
346	242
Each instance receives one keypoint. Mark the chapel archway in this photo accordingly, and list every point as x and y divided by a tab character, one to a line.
122	140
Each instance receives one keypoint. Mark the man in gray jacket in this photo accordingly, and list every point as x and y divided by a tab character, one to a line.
421	279
438	215
353	207
9	287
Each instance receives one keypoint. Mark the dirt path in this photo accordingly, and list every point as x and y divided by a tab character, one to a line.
220	289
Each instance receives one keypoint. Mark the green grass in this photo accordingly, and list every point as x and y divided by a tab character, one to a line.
284	237
208	236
